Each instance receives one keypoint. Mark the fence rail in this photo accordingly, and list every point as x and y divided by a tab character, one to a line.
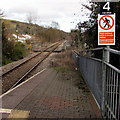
103	79
112	100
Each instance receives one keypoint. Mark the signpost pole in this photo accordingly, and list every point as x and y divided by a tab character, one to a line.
105	37
107	54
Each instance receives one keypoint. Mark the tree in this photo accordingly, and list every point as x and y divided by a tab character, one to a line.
11	50
91	26
32	18
90	34
1	13
55	25
1	16
29	18
7	46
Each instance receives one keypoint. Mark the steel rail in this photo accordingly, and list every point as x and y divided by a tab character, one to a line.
28	60
21	79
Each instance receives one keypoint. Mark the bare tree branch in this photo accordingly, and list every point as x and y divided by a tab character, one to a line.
32	18
1	13
29	17
86	6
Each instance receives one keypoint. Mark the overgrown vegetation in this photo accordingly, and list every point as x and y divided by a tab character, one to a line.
39	33
65	67
62	62
87	33
13	50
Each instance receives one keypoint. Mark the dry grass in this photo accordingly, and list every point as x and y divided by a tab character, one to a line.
65	66
63	62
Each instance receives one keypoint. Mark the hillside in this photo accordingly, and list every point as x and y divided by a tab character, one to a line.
37	32
19	37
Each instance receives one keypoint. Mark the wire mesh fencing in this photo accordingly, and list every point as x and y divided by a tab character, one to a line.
103	80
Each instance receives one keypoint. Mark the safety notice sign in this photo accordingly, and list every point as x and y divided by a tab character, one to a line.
106	29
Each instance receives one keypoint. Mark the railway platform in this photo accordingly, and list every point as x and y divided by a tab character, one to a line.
45	95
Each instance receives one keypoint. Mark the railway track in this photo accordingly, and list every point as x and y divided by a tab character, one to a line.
17	74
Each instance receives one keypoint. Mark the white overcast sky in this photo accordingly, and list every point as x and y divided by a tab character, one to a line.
66	12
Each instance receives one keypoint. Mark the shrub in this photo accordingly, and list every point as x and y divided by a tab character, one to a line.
19	51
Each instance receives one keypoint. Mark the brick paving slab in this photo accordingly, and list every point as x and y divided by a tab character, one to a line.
47	96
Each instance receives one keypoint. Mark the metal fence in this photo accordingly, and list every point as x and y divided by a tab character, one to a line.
103	80
112	93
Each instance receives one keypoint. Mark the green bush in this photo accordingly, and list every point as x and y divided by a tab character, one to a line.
19	51
5	60
11	50
14	53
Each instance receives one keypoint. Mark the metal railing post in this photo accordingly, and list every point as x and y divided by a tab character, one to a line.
104	59
107	55
119	97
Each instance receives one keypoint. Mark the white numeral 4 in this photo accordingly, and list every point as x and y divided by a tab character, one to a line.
107	6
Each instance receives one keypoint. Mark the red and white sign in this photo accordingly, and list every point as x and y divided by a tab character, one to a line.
106	29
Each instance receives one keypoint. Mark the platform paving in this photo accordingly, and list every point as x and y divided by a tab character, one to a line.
46	95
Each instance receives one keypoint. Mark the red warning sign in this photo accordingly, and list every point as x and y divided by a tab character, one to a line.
106	29
106	22
106	37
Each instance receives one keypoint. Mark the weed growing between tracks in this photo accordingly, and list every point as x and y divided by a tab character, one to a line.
65	66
